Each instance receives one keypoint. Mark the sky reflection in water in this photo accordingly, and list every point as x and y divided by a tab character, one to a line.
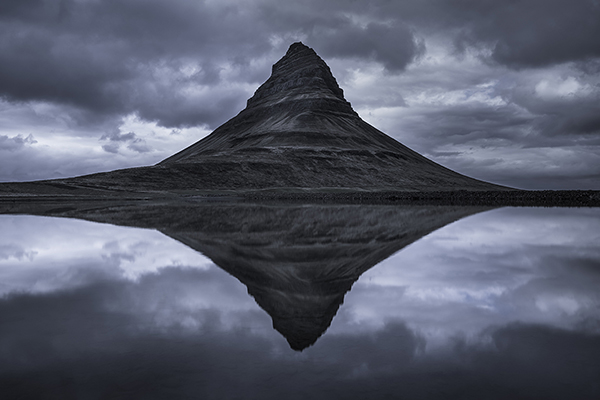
502	303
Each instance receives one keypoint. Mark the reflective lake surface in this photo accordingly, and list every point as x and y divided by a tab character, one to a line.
249	301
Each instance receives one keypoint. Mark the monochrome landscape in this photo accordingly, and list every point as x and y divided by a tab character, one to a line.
296	250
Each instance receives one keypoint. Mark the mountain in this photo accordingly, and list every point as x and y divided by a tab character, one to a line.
297	132
298	261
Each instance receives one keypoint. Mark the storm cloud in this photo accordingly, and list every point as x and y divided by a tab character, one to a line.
15	142
443	77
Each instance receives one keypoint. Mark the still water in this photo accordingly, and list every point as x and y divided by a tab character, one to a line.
301	302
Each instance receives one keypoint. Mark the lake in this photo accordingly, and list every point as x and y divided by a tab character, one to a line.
296	301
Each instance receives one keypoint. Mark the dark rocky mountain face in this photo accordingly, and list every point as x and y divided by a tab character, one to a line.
297	261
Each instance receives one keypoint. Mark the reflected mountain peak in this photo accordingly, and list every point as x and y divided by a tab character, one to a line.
297	261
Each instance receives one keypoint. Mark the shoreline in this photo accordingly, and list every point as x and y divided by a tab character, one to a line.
516	198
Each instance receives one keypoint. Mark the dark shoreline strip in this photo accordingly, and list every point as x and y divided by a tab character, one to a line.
520	198
516	198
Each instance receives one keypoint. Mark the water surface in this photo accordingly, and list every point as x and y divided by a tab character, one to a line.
383	302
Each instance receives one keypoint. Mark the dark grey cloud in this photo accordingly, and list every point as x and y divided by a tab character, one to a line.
568	114
149	57
534	33
522	33
16	142
16	8
471	123
122	57
345	30
393	45
140	146
524	119
117	138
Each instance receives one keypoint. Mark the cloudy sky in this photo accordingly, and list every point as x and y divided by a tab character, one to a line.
505	91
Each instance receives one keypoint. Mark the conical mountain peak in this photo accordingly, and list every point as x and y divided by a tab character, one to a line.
300	75
298	131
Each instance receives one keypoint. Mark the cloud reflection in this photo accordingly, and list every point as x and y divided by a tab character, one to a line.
39	254
497	305
530	265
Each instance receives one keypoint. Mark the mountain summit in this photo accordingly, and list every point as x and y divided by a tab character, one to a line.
298	131
301	74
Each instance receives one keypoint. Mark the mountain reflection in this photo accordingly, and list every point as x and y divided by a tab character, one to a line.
503	304
297	261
